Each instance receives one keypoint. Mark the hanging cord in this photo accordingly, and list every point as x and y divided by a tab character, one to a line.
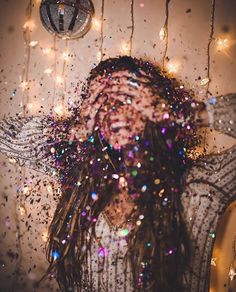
212	27
166	33
27	40
65	57
18	202
132	27
54	68
102	31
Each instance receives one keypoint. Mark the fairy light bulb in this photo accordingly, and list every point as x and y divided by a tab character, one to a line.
29	25
96	24
162	34
33	44
232	273
99	56
204	81
48	71
59	110
23	85
125	47
65	55
59	79
222	44
172	67
47	51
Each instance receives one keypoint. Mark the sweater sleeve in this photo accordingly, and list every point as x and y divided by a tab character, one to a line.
25	139
210	187
222	114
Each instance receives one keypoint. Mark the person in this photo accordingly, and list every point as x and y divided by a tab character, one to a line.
131	216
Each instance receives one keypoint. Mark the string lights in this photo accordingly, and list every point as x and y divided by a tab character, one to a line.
164	33
125	49
212	27
48	71
96	24
101	53
132	27
172	67
47	51
54	68
18	202
28	27
222	44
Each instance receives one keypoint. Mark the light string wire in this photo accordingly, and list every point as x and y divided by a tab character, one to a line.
63	72
132	27
27	40
166	32
19	202
210	39
54	68
212	28
101	49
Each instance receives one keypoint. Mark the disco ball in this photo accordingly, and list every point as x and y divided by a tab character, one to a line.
67	19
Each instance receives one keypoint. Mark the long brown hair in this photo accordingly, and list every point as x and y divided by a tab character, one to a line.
158	247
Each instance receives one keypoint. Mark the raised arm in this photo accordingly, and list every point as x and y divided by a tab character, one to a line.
25	139
209	188
220	114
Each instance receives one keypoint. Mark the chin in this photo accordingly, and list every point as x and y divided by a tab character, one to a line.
119	142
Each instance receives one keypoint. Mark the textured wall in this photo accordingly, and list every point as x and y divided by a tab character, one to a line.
26	211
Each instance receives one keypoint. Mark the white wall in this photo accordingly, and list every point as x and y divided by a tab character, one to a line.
188	38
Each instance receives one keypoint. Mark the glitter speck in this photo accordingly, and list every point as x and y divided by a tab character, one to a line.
139	165
212	234
163	131
94	196
123	232
144	188
102	252
134	172
55	255
157	181
166	116
212	100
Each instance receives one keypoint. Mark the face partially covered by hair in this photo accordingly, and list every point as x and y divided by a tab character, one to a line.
120	123
120	100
